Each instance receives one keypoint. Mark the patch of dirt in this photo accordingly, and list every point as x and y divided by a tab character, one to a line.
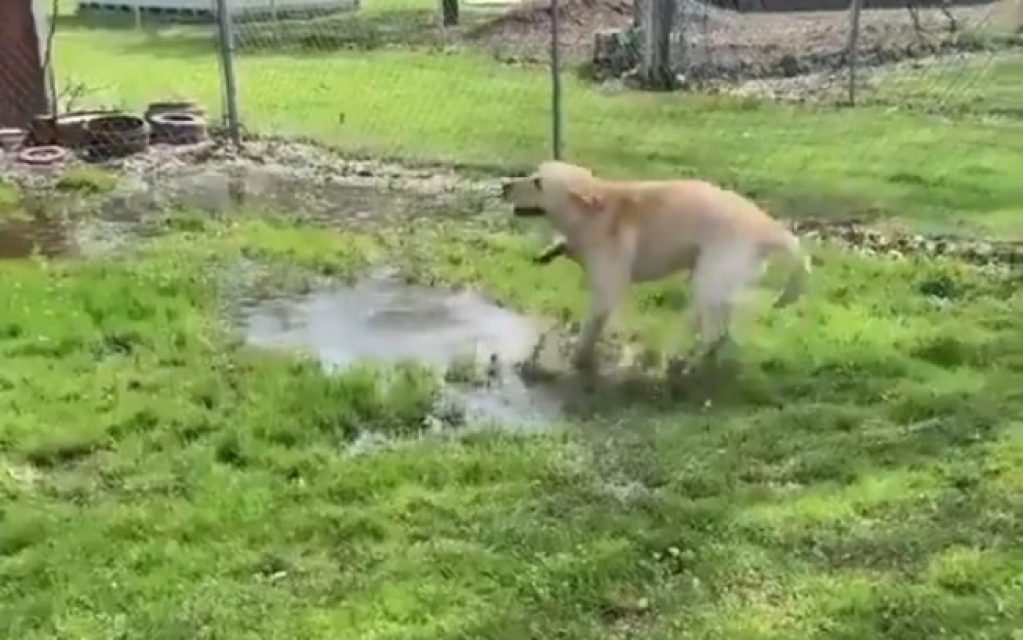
888	241
832	86
727	46
318	185
302	162
311	182
524	31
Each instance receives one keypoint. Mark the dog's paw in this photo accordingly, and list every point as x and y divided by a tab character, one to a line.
678	367
584	360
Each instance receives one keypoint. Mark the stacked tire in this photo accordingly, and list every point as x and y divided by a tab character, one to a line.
177	123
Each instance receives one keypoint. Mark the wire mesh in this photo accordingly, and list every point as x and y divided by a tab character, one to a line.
409	79
117	79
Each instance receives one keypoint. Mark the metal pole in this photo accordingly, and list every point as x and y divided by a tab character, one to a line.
853	48
556	115
227	65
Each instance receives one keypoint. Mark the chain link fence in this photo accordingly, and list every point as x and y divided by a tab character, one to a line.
470	82
390	80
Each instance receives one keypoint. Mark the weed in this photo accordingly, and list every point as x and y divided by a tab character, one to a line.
10	199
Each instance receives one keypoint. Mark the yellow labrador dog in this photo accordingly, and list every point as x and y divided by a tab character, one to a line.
625	232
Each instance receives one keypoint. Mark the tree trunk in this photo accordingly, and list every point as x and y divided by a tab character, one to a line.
22	80
639	11
657	72
449	12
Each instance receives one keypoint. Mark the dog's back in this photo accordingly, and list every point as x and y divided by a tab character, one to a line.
674	220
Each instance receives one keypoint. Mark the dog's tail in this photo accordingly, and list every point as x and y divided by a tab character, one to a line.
799	265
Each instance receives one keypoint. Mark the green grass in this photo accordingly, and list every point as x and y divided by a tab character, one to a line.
857	477
987	85
9	198
86	180
459	107
860	478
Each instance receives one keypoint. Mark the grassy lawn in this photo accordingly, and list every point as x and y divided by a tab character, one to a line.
859	476
989	84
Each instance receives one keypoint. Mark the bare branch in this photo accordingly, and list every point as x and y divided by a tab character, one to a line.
953	25
914	15
71	94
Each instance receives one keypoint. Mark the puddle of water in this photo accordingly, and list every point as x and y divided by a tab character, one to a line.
123	215
224	189
383	321
21	237
56	235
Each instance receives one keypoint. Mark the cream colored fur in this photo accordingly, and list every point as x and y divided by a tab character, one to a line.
624	232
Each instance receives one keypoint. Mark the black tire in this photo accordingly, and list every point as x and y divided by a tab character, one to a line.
175	106
177	128
116	136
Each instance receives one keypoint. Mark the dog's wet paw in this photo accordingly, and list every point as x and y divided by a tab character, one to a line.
678	367
584	361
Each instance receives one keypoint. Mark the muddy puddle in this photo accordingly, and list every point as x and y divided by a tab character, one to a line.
22	237
54	236
277	189
52	224
381	320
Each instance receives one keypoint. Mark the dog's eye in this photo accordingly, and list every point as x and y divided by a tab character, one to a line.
537	184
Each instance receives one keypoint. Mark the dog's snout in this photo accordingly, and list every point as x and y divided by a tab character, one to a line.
506	189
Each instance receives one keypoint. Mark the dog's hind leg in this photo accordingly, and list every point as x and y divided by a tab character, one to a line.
721	273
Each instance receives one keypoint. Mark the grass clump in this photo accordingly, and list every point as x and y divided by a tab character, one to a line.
86	180
10	199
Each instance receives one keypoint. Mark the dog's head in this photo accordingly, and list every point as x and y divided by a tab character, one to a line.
555	189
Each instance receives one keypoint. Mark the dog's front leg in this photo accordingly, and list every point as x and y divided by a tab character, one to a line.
608	280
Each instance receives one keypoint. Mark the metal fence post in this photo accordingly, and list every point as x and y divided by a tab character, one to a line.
226	47
556	106
853	47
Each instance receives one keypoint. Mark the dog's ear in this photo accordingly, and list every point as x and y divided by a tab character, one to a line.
586	199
